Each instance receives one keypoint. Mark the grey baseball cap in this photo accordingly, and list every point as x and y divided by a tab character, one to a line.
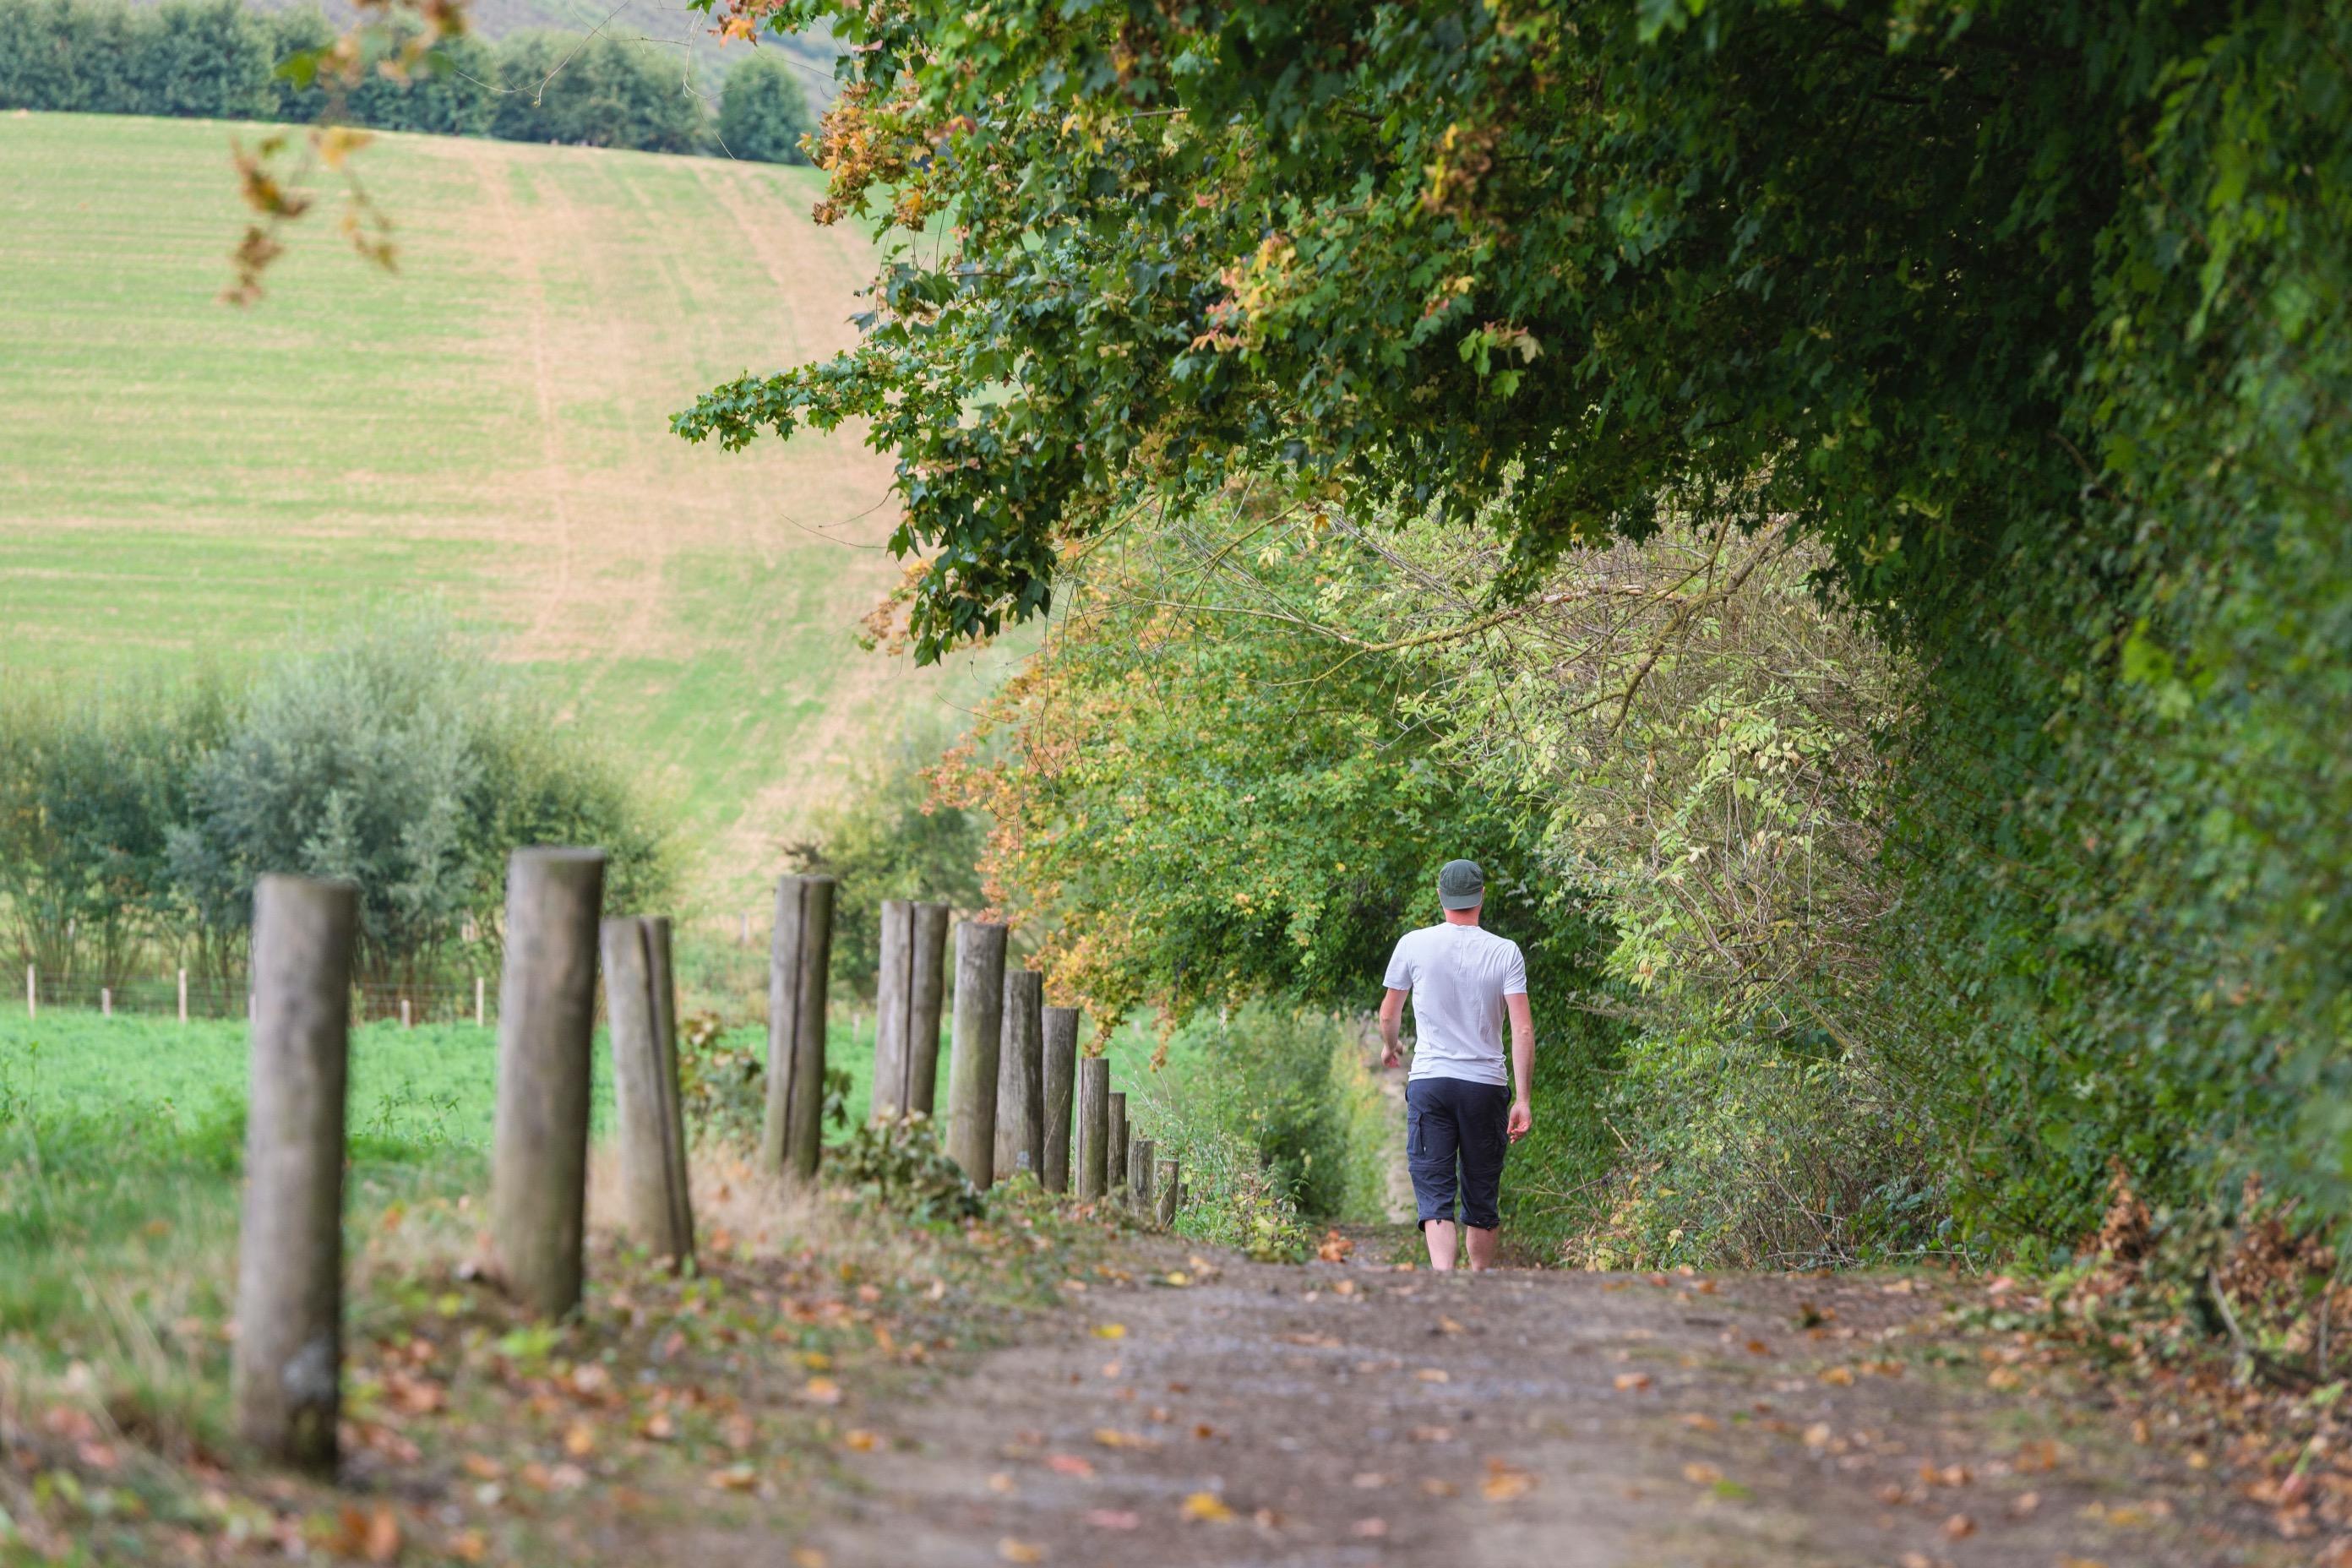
1461	885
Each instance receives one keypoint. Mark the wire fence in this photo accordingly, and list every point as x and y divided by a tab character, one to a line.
186	995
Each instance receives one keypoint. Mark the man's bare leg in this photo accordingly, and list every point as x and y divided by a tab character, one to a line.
1482	1249
1439	1234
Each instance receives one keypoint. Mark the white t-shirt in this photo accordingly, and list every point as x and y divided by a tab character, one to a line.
1459	977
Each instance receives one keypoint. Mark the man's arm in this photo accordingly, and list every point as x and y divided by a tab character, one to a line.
1393	1022
1523	1063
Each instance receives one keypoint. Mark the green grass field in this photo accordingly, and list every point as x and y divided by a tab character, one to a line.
487	428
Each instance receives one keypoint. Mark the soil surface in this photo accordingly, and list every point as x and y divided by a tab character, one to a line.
1191	1410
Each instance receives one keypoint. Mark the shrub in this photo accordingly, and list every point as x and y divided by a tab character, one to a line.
601	93
762	113
898	1163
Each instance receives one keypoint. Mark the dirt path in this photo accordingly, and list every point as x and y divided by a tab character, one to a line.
1347	1414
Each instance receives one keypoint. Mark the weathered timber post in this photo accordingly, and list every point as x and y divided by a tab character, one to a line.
1061	1073
1115	1167
664	976
799	955
407	1019
1139	1197
906	1010
184	995
547	1020
931	922
106	1001
1094	1128
1171	1192
971	1072
1019	1077
481	1014
651	1205
287	1368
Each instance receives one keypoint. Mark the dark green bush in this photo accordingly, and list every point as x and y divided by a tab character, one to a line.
603	93
762	113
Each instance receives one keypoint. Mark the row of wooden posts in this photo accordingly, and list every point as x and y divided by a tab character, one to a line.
1014	1073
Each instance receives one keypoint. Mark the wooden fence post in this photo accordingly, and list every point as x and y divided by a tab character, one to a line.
971	1071
1139	1197
106	1001
1115	1167
894	1009
665	982
1170	1190
645	1089
1094	1128
800	956
1019	1077
407	1019
481	1014
287	1366
184	996
1061	1074
547	1018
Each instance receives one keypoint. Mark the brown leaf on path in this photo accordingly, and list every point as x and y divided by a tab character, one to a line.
1207	1507
733	1479
382	1542
1838	1376
1505	1482
1434	1374
2026	1503
1632	1382
469	1546
1334	1247
1114	1519
658	1426
820	1391
1069	1464
1758	1347
859	1440
1448	1326
1370	1481
1432	1486
1370	1529
1013	1551
580	1440
1698	1421
1700	1474
1959	1527
808	1557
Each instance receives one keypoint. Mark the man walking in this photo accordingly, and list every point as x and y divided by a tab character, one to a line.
1458	1103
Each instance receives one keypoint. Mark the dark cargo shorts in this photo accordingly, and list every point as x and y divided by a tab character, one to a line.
1448	1120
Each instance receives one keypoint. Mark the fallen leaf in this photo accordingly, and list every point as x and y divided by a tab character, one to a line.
1448	1326
808	1557
859	1440
2026	1503
1112	1438
1758	1347
1110	1330
1370	1529
1840	1376
658	1426
1113	1518
1207	1507
382	1543
580	1440
469	1546
1013	1551
482	1467
1369	1480
1700	1474
1503	1483
1334	1247
1433	1434
1432	1486
821	1390
1817	1434
733	1479
1959	1527
1632	1382
1432	1374
1002	1484
1069	1464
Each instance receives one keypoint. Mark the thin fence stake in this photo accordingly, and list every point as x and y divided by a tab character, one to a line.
1171	1192
547	1015
1094	1127
184	996
106	1001
479	1012
971	1071
31	993
287	1370
1115	1166
1061	1049
408	1020
1139	1197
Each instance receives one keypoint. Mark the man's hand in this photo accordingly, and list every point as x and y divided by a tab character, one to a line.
1523	1117
1392	1028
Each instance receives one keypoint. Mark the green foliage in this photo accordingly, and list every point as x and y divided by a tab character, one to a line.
404	759
1265	1107
601	93
2029	318
762	113
887	838
723	1082
898	1163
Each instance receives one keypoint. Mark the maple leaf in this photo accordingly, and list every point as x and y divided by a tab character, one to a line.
1207	1507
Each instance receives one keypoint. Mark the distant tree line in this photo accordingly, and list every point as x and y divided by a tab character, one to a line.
220	59
134	821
